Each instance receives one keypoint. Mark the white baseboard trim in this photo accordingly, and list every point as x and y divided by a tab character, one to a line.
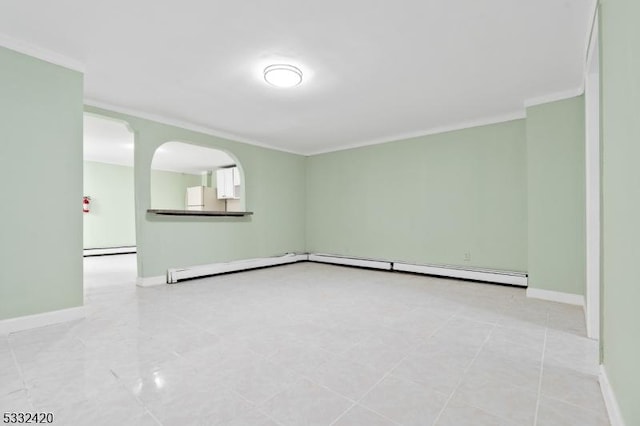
151	281
27	322
500	277
108	250
610	401
348	261
556	296
176	274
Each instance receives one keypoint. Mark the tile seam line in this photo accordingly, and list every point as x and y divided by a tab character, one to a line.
152	416
256	406
122	386
590	410
446	404
544	350
354	404
20	371
388	373
349	399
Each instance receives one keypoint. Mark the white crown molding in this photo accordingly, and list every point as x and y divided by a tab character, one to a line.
516	115
182	124
554	97
40	53
27	322
556	296
610	400
486	121
74	64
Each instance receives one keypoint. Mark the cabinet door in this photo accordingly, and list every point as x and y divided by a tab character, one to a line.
228	183
224	183
220	178
236	183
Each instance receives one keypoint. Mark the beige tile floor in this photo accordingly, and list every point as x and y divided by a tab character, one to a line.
305	344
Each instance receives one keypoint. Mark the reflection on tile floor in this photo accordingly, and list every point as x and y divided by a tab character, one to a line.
305	344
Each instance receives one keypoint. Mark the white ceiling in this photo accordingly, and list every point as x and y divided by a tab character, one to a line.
186	158
107	141
374	70
110	141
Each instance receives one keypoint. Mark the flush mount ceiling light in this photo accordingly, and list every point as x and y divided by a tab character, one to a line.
282	75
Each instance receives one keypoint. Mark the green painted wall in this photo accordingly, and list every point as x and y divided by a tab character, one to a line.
275	192
111	221
556	196
620	77
426	200
168	189
41	226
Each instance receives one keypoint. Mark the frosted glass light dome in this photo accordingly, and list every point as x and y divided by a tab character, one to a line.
282	75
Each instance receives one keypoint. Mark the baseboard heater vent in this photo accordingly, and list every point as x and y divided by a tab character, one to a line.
475	274
180	274
491	276
108	251
350	261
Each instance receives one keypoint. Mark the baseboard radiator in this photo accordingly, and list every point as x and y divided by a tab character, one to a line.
175	275
351	261
108	251
179	274
475	274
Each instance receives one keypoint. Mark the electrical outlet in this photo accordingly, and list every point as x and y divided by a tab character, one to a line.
467	256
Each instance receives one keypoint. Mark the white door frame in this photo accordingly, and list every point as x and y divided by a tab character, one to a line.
592	169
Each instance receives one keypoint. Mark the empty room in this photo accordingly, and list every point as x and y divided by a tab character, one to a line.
320	213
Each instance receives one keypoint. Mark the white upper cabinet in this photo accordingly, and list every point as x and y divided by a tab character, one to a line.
228	183
236	176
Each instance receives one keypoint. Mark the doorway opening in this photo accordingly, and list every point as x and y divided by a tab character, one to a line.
108	204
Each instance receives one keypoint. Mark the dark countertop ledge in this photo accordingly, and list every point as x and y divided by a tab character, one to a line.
196	213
